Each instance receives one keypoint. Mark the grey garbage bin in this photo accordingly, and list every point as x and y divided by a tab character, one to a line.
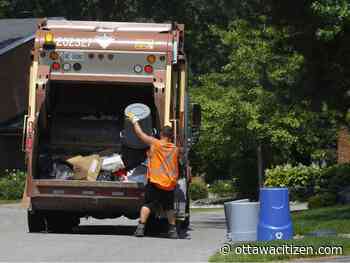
242	218
143	113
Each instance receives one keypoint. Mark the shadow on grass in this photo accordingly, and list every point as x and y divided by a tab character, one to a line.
333	218
339	212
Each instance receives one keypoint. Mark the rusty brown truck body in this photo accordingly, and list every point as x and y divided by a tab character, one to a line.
84	69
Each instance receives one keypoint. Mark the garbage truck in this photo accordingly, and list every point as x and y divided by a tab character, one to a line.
83	76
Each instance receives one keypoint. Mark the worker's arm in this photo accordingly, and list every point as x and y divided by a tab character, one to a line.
143	136
139	132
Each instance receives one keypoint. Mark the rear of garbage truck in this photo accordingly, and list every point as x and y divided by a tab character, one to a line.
82	158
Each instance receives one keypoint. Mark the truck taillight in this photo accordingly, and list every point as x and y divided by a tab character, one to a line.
49	38
77	66
29	143
55	66
148	69
151	59
66	67
54	55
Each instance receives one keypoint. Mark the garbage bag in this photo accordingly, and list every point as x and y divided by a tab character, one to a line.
112	163
120	175
62	170
86	167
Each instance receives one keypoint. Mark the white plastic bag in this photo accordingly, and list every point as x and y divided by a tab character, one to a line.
112	163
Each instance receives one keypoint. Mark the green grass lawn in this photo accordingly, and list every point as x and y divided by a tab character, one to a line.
330	218
196	210
336	218
2	202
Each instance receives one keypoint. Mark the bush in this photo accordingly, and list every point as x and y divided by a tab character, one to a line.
198	189
309	181
222	188
12	185
299	179
322	200
334	178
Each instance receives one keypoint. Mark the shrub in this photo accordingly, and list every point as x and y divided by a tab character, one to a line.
309	181
222	188
12	185
322	200
198	189
299	179
334	178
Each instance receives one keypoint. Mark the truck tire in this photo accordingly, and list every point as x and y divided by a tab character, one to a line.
156	225
61	223
36	221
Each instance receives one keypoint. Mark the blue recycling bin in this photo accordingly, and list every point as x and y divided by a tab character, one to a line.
274	216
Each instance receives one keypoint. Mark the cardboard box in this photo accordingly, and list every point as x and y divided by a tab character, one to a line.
86	167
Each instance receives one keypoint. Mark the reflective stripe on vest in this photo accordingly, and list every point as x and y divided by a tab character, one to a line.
167	161
166	174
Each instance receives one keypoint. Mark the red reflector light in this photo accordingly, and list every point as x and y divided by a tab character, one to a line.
148	69
29	144
55	66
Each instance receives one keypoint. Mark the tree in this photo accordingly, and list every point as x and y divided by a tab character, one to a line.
251	102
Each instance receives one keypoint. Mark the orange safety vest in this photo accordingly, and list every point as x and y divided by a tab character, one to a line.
163	167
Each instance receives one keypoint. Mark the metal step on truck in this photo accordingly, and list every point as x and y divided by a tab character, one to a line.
83	76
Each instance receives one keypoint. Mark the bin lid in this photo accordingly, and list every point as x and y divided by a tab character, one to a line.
141	111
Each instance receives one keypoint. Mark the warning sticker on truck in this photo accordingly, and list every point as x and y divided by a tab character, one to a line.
144	44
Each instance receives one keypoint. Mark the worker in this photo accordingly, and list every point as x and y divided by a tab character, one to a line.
162	174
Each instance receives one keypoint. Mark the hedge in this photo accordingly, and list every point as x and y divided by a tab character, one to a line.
12	184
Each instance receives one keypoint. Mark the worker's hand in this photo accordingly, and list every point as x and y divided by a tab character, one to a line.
132	117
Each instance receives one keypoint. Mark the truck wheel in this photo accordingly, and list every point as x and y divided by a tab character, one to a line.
156	225
57	223
36	221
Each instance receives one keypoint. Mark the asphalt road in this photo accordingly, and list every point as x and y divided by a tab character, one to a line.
108	240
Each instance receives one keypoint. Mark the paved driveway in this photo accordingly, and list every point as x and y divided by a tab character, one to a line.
108	240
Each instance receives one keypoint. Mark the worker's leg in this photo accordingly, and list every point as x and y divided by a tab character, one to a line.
144	214
168	205
171	217
145	211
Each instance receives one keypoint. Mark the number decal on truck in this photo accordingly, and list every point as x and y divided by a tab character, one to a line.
74	42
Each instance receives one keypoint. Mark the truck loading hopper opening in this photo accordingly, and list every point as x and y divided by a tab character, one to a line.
85	118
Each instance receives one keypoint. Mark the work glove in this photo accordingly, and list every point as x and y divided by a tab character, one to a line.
132	118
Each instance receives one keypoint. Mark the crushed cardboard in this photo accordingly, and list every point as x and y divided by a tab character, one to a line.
86	167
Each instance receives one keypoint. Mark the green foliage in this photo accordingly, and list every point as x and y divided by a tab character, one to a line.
288	175
322	200
335	178
198	189
335	15
257	106
306	181
222	188
12	185
299	179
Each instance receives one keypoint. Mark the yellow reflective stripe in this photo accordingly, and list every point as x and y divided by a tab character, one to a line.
161	169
